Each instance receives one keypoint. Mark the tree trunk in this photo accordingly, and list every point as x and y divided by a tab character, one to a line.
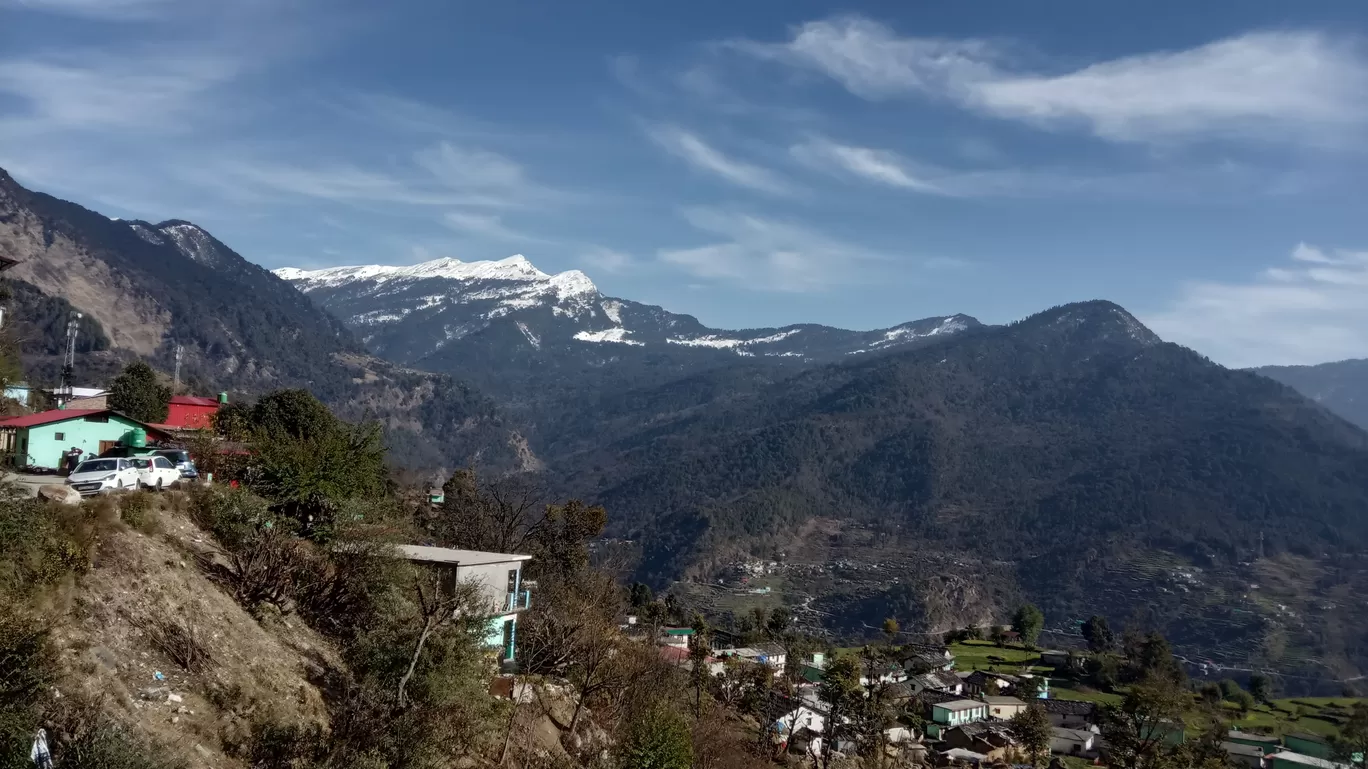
513	696
428	627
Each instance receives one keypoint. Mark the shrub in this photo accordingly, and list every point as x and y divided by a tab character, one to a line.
41	543
27	671
657	739
136	510
85	736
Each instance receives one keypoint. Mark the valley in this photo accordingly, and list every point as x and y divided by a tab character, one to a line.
940	471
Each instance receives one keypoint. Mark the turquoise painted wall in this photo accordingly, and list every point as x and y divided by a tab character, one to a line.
45	449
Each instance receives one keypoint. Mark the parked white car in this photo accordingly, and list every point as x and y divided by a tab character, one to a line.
95	476
155	472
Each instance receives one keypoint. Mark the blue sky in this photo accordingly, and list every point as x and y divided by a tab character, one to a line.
1203	164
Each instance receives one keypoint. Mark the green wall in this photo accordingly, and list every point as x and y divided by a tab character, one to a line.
45	450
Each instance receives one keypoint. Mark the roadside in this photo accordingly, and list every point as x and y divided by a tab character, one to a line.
29	482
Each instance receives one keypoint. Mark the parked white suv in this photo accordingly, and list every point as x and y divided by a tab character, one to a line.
95	476
155	472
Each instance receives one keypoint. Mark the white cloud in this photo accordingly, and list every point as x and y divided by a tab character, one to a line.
1286	85
485	225
701	155
870	60
607	260
471	168
878	166
1313	311
112	10
158	91
891	169
768	255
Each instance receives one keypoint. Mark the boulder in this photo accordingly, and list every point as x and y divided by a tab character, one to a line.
62	495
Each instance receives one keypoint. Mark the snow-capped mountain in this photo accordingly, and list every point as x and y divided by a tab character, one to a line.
413	313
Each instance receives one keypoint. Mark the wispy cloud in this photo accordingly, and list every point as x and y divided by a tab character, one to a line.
607	260
705	157
159	90
769	255
489	226
1284	85
1310	310
886	168
878	166
112	10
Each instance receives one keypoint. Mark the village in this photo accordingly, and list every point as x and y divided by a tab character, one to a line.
951	716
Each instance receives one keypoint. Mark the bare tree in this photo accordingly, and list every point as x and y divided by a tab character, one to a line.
439	607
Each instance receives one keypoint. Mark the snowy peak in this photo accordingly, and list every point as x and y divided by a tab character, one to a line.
515	268
457	310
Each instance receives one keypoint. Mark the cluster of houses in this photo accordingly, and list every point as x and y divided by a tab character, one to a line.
965	715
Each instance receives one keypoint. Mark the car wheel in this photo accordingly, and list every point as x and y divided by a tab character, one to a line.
159	484
118	485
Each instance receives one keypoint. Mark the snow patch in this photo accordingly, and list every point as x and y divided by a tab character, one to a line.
514	268
531	337
616	335
613	309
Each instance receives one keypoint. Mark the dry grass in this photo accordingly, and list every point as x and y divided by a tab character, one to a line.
145	608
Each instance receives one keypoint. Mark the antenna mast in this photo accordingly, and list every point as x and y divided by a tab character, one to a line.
69	358
175	378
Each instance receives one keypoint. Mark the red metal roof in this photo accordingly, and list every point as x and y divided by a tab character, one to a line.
66	415
193	400
48	417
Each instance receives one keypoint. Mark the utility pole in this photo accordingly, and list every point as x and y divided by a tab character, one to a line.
69	359
175	378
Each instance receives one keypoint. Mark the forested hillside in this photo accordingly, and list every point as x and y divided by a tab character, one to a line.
1341	387
1072	438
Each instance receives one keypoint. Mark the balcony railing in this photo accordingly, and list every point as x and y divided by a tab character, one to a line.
517	601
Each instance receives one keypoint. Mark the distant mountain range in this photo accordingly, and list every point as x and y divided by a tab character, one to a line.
1341	387
536	336
940	471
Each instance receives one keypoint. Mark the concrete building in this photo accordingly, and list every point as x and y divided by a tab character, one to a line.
1072	742
188	412
1251	756
41	439
1305	743
1288	760
1004	707
499	577
1070	714
947	715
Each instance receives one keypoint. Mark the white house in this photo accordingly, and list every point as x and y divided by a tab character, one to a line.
1072	742
937	681
1003	707
499	577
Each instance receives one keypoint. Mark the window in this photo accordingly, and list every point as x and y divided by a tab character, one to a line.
59	436
512	580
163	463
97	418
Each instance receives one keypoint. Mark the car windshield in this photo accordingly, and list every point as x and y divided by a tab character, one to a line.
98	466
176	456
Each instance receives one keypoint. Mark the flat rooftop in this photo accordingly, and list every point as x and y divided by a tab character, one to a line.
961	704
456	557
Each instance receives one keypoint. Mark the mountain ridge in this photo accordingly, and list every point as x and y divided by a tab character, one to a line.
148	288
542	340
1341	386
